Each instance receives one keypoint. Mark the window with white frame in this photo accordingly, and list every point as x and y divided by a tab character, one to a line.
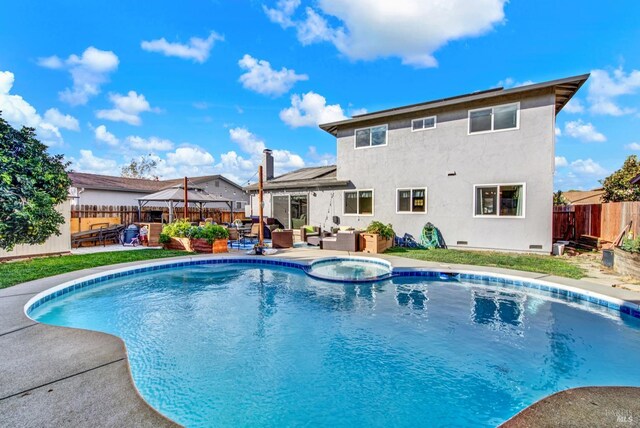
371	137
412	200
496	118
424	123
499	200
358	202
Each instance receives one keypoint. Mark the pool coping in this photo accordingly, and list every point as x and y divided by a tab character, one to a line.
15	323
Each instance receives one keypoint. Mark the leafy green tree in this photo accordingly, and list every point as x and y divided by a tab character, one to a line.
559	198
32	184
618	187
142	167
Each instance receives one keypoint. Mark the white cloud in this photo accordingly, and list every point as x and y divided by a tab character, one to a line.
574	106
311	110
558	132
261	78
605	88
88	72
583	131
190	156
151	144
88	162
561	161
409	29
320	158
18	112
510	82
53	62
283	160
65	121
105	136
587	167
357	112
632	146
282	13
197	49
127	108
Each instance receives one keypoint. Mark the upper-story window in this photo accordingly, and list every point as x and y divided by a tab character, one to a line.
424	123
371	137
496	118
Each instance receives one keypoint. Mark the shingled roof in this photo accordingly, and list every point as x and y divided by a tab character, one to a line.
304	178
134	185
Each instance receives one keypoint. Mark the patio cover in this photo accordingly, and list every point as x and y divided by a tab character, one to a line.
173	196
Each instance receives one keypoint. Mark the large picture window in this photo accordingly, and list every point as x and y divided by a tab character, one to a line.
496	118
499	200
412	200
371	137
358	202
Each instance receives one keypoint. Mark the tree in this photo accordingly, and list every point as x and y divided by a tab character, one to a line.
559	198
142	167
32	184
618	187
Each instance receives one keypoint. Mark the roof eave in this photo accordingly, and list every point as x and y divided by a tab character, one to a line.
567	87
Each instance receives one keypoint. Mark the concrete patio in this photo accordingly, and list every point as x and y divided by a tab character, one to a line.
55	376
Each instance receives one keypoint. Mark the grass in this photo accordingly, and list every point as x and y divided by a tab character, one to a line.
525	262
13	273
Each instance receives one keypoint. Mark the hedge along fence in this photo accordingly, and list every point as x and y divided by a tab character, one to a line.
129	213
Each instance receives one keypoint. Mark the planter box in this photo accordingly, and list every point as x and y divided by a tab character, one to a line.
220	246
626	263
201	246
374	244
179	244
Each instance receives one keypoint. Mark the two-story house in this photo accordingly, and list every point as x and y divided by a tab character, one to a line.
478	166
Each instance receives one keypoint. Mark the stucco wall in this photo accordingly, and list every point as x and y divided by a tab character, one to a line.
425	158
53	245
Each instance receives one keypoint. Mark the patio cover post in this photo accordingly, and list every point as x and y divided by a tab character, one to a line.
170	211
261	206
185	210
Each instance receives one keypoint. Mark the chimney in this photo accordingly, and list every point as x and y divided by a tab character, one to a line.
267	165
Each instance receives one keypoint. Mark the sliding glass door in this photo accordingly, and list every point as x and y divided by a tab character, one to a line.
291	210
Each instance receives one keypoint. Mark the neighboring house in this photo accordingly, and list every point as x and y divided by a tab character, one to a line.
479	166
586	197
94	189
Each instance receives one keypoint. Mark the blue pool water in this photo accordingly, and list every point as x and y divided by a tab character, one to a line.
241	345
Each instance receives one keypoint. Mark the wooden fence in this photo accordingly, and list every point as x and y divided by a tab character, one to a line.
604	221
129	214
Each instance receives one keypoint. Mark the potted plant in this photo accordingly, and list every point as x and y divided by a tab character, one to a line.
175	236
209	238
377	238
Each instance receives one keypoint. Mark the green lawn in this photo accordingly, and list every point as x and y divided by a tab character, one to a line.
526	262
13	273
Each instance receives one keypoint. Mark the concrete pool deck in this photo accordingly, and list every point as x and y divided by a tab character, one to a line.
56	376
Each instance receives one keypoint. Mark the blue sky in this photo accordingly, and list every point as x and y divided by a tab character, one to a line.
204	86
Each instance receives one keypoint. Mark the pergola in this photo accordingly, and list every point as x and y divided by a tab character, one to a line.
173	196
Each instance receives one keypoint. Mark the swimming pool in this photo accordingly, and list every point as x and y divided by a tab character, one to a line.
233	344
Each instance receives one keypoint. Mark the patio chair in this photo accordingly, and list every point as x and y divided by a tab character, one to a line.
234	236
307	231
255	232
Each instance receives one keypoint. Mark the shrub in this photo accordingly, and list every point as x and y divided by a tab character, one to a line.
379	228
183	229
177	229
164	238
631	245
211	232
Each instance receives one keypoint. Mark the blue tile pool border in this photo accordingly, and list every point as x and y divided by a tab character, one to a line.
621	306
